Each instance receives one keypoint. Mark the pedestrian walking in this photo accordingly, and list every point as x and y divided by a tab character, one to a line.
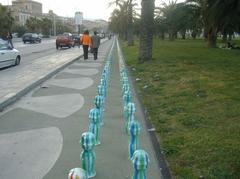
95	44
9	38
86	43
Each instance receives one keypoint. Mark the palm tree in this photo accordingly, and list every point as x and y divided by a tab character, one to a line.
146	33
218	15
6	21
118	22
129	5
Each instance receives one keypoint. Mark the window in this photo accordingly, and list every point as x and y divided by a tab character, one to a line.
3	45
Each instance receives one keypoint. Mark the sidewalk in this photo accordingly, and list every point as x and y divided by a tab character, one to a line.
112	159
15	84
39	134
112	155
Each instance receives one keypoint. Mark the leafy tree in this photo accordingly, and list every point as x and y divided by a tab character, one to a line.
126	10
218	16
118	20
19	29
46	25
33	24
146	33
167	15
6	21
61	27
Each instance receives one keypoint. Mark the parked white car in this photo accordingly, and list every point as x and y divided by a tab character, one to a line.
8	55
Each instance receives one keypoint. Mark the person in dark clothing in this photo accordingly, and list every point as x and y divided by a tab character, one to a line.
9	38
86	43
95	44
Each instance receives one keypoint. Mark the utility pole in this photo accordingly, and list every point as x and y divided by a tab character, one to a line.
79	31
54	25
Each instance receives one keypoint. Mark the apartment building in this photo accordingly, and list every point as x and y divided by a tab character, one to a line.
24	9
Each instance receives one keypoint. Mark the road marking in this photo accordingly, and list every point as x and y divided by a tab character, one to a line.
93	65
85	72
60	106
74	83
29	154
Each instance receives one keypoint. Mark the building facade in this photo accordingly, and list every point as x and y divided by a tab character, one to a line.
24	9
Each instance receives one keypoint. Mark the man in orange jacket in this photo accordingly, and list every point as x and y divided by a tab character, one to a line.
86	42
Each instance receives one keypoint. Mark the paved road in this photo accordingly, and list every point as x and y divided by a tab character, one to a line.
39	134
29	52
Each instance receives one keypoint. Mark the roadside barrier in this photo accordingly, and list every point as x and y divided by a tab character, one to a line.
92	137
139	157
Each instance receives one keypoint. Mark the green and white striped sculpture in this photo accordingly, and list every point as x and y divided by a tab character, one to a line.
125	87
127	97
140	162
94	126
77	173
134	142
129	114
101	90
88	156
103	83
99	104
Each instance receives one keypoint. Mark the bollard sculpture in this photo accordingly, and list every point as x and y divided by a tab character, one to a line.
94	126
134	131
87	156
125	80
77	173
127	97
99	104
125	87
129	112
101	90
103	83
140	162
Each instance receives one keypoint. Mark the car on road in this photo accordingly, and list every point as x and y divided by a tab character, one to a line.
65	40
76	39
31	38
8	55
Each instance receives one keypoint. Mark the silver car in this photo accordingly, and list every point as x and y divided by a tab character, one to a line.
8	55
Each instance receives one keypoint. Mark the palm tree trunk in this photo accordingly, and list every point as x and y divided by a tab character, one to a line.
130	25
212	37
162	35
146	32
224	37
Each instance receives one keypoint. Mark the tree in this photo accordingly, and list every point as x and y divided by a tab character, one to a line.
118	20
218	16
46	25
20	29
6	21
33	24
146	33
127	10
61	27
228	17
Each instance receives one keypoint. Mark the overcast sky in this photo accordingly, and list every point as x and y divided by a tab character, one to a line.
92	9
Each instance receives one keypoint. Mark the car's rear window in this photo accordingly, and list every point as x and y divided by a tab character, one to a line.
3	45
